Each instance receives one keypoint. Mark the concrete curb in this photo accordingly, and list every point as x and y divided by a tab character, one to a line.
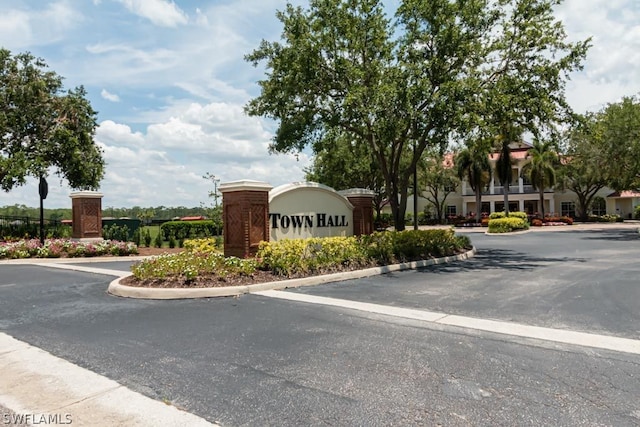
117	289
509	233
78	260
36	384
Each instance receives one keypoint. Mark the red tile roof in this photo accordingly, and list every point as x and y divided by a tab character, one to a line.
191	218
624	194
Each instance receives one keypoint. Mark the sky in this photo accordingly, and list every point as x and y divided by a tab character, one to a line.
169	82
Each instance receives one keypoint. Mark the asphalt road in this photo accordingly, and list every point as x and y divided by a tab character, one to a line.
256	360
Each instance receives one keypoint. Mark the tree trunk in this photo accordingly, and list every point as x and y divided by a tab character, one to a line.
541	192
478	204
402	209
505	189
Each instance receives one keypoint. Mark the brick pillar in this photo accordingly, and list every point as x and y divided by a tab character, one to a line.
245	213
362	201
86	207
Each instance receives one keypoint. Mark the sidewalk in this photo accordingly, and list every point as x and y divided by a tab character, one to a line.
42	389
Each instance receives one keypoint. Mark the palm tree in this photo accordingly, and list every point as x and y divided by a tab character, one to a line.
472	165
541	170
508	134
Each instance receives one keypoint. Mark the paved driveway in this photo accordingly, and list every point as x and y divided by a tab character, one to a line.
258	360
585	281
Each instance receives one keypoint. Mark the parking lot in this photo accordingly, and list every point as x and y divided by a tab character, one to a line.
313	356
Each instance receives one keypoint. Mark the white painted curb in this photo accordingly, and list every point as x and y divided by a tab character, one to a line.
117	289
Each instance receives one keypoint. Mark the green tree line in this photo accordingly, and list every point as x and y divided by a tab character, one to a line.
136	212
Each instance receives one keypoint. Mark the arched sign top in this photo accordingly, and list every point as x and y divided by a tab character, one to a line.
307	186
308	209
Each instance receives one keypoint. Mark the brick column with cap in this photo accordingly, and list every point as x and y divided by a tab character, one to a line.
245	212
86	208
362	201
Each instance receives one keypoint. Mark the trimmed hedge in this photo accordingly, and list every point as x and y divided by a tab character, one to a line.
515	214
188	229
303	256
506	225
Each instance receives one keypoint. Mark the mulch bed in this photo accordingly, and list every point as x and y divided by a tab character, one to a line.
204	281
215	281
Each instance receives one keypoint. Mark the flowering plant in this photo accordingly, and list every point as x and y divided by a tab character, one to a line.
56	248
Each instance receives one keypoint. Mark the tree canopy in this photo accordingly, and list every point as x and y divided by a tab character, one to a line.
583	163
541	169
618	132
43	127
472	164
440	68
437	175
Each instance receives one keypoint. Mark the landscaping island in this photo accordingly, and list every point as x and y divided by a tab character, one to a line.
202	265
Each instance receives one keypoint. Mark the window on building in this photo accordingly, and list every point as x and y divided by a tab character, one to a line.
599	206
450	188
568	209
452	210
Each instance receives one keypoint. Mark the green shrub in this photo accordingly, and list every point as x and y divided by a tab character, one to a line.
189	229
55	248
506	225
187	266
303	256
115	232
636	213
172	241
137	237
514	214
519	214
206	245
610	218
157	242
147	237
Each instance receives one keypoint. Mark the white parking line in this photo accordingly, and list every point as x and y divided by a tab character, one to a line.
96	270
606	342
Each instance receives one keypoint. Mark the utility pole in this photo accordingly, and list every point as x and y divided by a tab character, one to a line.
43	190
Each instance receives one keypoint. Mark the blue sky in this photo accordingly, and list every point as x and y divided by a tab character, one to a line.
169	82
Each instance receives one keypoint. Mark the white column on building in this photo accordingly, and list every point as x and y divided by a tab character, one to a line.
464	189
552	207
492	206
521	201
464	208
491	185
520	184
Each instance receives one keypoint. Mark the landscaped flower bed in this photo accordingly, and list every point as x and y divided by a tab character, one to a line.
500	223
551	221
202	265
57	248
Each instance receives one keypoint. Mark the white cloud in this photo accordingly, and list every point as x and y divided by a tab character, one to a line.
611	68
21	27
15	29
111	133
160	12
201	18
109	96
185	87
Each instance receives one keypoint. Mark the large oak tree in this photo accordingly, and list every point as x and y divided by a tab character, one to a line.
44	127
406	85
